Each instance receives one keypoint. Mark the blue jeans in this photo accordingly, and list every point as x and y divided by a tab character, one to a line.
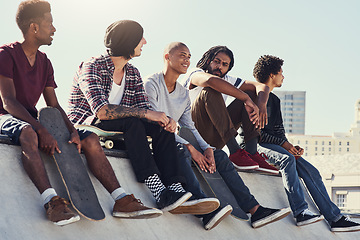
291	169
227	171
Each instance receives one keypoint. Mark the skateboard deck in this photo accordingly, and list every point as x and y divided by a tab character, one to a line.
214	182
107	138
70	165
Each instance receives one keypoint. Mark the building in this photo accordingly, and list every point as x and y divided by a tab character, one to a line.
341	177
337	144
293	110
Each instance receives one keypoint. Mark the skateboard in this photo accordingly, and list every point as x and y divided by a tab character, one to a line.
107	138
70	165
214	184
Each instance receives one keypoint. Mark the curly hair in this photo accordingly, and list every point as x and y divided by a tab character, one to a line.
266	65
31	11
210	54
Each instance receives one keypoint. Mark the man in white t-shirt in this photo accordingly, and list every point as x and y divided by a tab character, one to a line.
209	85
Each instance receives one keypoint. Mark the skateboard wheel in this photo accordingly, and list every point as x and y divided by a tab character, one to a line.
109	144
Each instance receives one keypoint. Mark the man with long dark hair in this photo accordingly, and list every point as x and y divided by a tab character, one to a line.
209	85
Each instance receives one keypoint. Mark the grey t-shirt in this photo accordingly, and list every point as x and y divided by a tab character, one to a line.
176	104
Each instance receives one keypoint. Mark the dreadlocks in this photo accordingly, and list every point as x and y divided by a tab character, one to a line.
210	55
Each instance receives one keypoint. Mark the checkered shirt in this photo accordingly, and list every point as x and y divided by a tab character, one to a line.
92	85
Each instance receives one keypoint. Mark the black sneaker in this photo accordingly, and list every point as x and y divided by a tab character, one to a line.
344	224
211	220
264	216
170	199
307	217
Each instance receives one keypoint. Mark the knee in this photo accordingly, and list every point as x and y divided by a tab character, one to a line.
222	161
28	136
208	94
252	95
288	161
90	141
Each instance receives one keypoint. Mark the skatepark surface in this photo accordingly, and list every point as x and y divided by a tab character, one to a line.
23	216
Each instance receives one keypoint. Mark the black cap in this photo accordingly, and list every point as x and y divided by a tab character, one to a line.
122	37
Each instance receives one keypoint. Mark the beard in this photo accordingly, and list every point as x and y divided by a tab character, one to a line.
216	72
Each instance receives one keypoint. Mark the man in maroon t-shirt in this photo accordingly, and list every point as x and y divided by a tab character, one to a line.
25	74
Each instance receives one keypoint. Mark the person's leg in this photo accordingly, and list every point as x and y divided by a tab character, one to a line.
135	139
192	184
260	216
315	185
165	154
126	205
287	163
24	135
199	203
146	167
233	180
31	159
240	118
212	119
98	163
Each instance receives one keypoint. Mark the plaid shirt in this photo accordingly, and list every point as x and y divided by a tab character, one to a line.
92	85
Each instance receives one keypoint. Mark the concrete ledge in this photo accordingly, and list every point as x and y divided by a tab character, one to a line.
23	216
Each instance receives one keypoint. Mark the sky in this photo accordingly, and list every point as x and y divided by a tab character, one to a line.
318	40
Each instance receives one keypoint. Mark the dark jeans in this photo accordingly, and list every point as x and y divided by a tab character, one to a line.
162	161
227	171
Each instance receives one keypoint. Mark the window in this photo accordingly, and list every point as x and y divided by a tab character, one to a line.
306	142
322	143
348	143
306	148
289	97
348	149
339	149
315	142
322	149
341	200
339	143
315	148
298	141
329	143
329	149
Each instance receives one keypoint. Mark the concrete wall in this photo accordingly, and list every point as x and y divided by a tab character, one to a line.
23	216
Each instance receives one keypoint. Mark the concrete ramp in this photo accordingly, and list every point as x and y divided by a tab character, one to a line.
22	215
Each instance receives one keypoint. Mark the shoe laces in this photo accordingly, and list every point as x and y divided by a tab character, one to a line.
264	156
134	199
307	212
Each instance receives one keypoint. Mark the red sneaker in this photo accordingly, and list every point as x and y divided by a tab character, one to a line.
243	161
263	165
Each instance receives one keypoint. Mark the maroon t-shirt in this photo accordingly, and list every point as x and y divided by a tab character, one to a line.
29	81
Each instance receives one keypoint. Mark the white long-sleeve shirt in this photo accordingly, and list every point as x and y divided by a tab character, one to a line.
176	105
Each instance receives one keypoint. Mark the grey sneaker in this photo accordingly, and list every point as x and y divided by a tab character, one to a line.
59	213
